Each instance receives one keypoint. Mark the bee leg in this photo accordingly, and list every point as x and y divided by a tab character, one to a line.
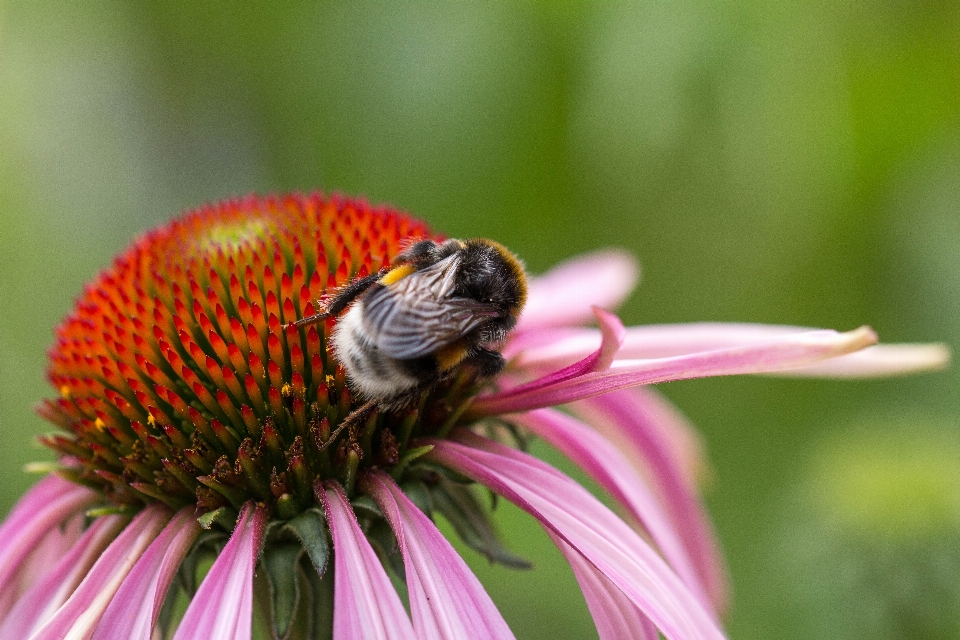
340	301
306	322
352	418
486	363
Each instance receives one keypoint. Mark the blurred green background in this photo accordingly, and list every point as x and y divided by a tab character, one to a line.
783	162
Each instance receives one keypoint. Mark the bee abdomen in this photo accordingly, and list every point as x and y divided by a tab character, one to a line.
371	374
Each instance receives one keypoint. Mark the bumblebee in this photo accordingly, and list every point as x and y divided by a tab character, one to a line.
440	307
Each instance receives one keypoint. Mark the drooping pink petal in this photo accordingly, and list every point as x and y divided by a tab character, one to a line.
47	504
604	540
614	615
446	600
664	341
610	469
643	426
565	294
612	333
80	614
365	604
46	595
222	608
778	354
132	613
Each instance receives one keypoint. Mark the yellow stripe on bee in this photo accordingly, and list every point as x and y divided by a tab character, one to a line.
397	273
449	357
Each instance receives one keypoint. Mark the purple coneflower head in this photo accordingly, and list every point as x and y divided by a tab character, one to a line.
198	437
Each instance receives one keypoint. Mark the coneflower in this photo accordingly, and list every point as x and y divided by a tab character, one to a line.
196	431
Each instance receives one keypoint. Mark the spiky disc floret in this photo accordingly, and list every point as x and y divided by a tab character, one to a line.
176	381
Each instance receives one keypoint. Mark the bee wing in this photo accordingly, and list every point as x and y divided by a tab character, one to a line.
417	315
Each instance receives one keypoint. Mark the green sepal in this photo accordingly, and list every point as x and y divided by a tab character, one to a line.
111	510
310	527
366	507
472	522
281	562
321	609
419	495
410	456
187	573
167	609
384	543
300	626
381	536
224	516
494	499
429	470
494	430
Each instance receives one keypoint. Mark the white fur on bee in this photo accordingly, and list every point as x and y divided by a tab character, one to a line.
371	374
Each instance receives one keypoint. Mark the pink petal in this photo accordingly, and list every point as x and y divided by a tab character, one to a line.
80	614
365	604
644	426
222	608
879	361
655	341
664	341
569	511
46	595
520	342
566	293
615	616
610	469
446	599
778	354
39	495
47	504
134	609
58	542
612	333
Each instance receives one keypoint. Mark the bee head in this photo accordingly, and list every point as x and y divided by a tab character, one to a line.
491	274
